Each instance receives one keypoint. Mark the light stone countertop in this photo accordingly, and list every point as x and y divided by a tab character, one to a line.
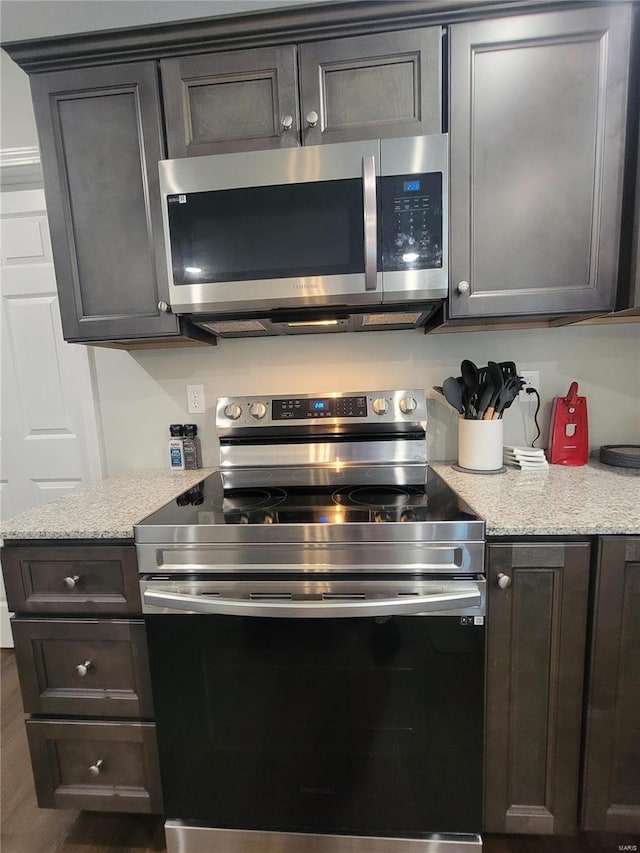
592	499
104	510
562	501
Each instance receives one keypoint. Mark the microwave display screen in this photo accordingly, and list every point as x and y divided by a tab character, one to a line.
411	225
260	233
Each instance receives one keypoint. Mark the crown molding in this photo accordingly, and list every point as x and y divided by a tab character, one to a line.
20	168
288	25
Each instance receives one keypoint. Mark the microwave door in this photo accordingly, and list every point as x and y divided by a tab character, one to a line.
270	230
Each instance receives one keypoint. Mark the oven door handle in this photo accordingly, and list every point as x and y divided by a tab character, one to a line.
317	609
370	223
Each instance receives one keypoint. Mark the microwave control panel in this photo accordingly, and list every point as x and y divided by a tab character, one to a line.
410	222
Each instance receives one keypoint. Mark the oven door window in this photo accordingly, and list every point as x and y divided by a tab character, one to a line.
257	233
356	726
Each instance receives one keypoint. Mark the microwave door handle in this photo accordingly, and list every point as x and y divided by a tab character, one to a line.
370	224
398	606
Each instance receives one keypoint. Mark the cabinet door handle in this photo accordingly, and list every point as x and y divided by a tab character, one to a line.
463	287
287	122
504	581
71	581
83	668
312	118
164	307
96	768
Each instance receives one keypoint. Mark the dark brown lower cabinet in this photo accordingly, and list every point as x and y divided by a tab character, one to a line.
536	640
611	794
98	765
81	656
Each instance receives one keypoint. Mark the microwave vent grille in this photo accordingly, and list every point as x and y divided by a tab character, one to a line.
391	319
231	327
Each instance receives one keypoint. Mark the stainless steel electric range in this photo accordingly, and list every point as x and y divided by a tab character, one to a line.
315	616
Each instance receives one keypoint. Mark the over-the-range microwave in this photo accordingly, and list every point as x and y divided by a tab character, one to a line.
349	236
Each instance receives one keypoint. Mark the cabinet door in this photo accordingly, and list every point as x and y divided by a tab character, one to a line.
238	101
611	791
634	298
536	629
372	87
100	141
537	152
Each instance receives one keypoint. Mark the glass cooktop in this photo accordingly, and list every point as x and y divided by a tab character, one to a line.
208	503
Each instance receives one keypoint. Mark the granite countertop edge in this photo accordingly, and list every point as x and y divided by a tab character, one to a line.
590	500
107	509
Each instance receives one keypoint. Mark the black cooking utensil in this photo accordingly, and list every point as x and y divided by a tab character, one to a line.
469	374
509	392
453	393
496	379
508	368
484	395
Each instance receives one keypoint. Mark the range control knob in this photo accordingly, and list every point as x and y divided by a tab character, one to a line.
408	405
380	406
257	410
232	411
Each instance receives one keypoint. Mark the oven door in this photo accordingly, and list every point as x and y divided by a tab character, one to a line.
321	707
272	229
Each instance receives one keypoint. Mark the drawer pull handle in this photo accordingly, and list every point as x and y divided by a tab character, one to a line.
95	768
83	668
71	581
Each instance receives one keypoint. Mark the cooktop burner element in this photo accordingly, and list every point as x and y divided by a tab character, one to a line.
382	497
243	500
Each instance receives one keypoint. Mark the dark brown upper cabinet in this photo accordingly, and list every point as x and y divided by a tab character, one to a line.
536	637
371	87
537	129
100	136
366	87
611	789
239	100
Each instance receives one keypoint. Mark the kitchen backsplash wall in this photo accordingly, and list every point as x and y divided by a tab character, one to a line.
141	393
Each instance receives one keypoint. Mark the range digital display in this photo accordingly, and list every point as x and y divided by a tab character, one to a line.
326	407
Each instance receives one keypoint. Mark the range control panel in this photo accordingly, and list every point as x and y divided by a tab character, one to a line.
319	407
368	407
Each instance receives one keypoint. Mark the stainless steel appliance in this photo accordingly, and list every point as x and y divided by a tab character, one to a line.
351	236
315	619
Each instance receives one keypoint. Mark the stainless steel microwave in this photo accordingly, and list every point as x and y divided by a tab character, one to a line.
308	236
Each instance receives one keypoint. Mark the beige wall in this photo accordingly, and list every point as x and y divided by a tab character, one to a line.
142	393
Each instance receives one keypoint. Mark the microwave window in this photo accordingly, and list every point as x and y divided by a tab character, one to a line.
255	233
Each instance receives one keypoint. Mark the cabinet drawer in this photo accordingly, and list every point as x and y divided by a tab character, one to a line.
98	765
83	667
73	579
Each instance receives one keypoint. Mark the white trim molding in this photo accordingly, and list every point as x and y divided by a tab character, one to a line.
20	168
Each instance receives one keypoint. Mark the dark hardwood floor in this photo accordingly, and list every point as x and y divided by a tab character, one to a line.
28	829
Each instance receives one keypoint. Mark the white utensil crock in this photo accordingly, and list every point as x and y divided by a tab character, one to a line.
480	445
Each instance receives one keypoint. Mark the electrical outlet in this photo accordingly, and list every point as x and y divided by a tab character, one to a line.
531	380
195	399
